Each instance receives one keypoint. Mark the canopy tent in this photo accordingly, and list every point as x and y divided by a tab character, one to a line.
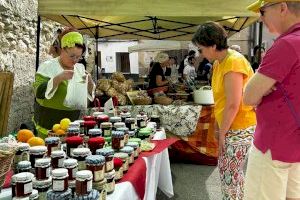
154	45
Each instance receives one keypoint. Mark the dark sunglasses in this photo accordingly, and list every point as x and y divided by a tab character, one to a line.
262	9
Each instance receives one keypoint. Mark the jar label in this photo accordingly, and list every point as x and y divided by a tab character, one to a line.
81	165
48	172
74	172
28	188
122	143
110	186
136	153
98	175
61	162
132	126
143	123
58	185
131	158
109	165
119	173
55	148
89	186
107	133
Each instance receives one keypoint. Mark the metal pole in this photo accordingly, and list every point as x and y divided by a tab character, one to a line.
97	56
38	33
260	41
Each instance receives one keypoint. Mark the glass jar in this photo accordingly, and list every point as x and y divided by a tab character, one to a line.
126	133
72	186
36	153
139	141
81	122
141	122
42	186
144	133
52	144
72	166
130	151
101	187
155	118
124	158
101	119
96	143
95	132
118	163
34	195
66	195
135	146
60	180
24	166
109	155
22	153
119	125
80	155
42	168
96	164
117	139
23	184
125	115
130	123
88	125
106	128
115	119
83	182
73	143
73	131
110	178
57	159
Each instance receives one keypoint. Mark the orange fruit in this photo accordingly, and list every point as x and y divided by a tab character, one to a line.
24	135
55	127
64	123
36	141
60	132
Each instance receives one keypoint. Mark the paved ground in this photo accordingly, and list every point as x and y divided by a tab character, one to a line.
194	182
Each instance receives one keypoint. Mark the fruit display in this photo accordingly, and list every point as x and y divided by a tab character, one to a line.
24	135
36	141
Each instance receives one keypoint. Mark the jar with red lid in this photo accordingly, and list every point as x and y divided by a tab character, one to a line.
102	118
23	184
37	152
83	182
96	143
57	159
118	163
106	128
96	164
42	168
88	118
72	166
60	180
52	144
108	153
80	154
130	123
73	143
88	125
117	139
95	132
124	157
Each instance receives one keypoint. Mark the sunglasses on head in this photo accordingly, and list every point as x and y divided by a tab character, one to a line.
262	9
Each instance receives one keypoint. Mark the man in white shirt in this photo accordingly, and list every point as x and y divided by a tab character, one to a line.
189	72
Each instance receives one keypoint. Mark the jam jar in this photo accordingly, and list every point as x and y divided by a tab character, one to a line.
88	125
96	114
66	195
73	143
57	159
96	143
73	131
60	180
101	187
139	141
34	195
135	146
95	132
72	166
110	178
24	166
42	168
96	164
22	153
106	128
144	133
109	155
155	118
125	115
130	123
80	154
84	183
37	152
141	122
118	163
126	133
88	118
81	125
102	118
124	157
42	186
130	151
52	144
75	124
115	119
23	184
117	139
119	125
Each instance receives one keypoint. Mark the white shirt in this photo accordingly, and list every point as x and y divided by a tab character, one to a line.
190	72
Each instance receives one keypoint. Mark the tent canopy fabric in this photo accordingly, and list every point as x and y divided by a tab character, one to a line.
146	19
154	45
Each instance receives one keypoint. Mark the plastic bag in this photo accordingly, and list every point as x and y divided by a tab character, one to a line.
76	97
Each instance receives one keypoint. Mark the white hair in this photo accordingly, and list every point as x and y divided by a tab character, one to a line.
161	57
236	47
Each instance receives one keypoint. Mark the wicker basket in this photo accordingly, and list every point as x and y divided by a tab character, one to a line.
142	101
163	100
6	160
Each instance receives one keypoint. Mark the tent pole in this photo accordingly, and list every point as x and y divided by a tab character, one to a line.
97	56
260	41
38	33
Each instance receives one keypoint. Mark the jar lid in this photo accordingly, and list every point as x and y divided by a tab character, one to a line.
127	149
125	114
51	140
70	162
59	173
110	174
38	150
42	162
74	124
90	123
76	140
88	118
34	194
23	146
95	131
154	116
55	154
80	121
96	114
82	152
96	141
24	165
121	155
119	124
129	120
139	117
131	133
132	144
23	177
124	129
106	124
84	174
118	162
105	152
117	134
95	160
73	130
103	117
52	195
138	140
115	119
42	183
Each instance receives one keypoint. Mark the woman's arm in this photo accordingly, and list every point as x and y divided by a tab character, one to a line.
160	82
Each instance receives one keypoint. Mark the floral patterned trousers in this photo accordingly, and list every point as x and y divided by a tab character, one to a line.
232	160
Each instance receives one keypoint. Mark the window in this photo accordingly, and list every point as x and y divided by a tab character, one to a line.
123	62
